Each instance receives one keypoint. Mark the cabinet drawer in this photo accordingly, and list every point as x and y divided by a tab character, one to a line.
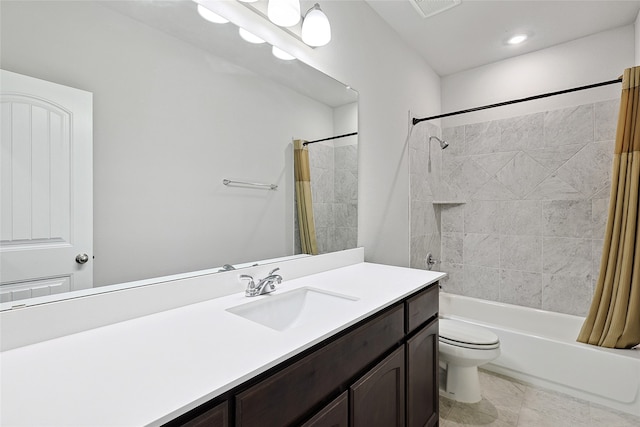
422	307
335	414
289	395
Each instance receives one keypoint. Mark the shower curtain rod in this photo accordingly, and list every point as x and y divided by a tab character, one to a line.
515	101
327	139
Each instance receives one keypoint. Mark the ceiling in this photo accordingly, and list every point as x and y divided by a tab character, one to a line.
474	33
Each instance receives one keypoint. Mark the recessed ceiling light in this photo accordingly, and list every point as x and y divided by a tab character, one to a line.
517	39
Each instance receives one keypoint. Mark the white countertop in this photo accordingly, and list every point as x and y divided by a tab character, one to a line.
149	370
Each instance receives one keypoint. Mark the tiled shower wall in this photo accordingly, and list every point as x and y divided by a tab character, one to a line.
424	167
334	188
536	191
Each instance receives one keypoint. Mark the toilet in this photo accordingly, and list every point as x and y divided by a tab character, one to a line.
463	347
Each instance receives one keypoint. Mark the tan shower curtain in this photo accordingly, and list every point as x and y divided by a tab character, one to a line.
614	317
303	198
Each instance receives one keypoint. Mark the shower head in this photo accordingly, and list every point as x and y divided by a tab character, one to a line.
443	144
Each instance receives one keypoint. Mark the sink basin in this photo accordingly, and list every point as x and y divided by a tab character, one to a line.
293	308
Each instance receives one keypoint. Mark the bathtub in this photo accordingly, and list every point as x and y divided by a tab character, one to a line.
539	347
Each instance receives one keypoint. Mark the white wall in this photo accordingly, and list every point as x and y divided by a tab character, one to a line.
391	80
170	122
596	58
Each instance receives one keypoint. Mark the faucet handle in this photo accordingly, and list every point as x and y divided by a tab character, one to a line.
251	285
274	270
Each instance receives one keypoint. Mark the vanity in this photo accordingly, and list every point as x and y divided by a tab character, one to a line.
340	342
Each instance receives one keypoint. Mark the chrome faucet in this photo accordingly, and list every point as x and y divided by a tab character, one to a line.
264	286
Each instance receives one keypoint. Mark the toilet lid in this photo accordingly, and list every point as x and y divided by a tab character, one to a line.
464	334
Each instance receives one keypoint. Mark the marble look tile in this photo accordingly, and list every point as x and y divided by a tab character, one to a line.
599	216
346	158
566	257
482	138
602	416
567	218
345	214
606	119
463	414
445	406
604	192
589	168
321	156
322	185
521	217
434	245
418	160
521	288
521	133
452	218
469	177
481	217
523	253
566	294
522	174
493	162
555	156
481	250
553	188
345	238
453	283
452	244
569	126
557	406
455	136
323	215
346	187
481	282
418	218
493	190
498	386
418	252
420	189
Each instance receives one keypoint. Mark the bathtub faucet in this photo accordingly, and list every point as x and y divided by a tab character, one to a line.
431	261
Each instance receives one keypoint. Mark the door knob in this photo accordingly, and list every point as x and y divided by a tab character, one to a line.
82	258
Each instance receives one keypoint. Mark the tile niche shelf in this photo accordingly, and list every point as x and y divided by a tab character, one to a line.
448	202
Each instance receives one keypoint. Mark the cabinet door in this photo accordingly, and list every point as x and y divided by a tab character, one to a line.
335	414
377	399
422	377
216	417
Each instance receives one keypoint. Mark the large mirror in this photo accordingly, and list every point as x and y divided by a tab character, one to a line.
179	105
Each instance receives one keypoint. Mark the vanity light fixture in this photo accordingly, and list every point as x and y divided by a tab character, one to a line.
250	37
316	30
210	16
517	39
285	13
281	54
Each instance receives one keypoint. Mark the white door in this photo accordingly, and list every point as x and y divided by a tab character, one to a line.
46	188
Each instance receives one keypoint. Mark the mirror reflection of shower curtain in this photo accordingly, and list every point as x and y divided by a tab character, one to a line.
304	203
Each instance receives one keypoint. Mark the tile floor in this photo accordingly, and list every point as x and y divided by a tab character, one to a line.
506	402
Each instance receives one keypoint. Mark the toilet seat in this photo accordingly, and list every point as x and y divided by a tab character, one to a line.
464	335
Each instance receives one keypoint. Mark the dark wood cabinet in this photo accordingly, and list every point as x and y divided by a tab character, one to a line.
383	371
287	396
335	414
377	399
215	417
422	377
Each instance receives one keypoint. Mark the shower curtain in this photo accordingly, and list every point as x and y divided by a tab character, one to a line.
304	203
614	317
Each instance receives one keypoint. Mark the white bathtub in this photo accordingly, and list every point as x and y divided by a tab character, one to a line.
539	347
